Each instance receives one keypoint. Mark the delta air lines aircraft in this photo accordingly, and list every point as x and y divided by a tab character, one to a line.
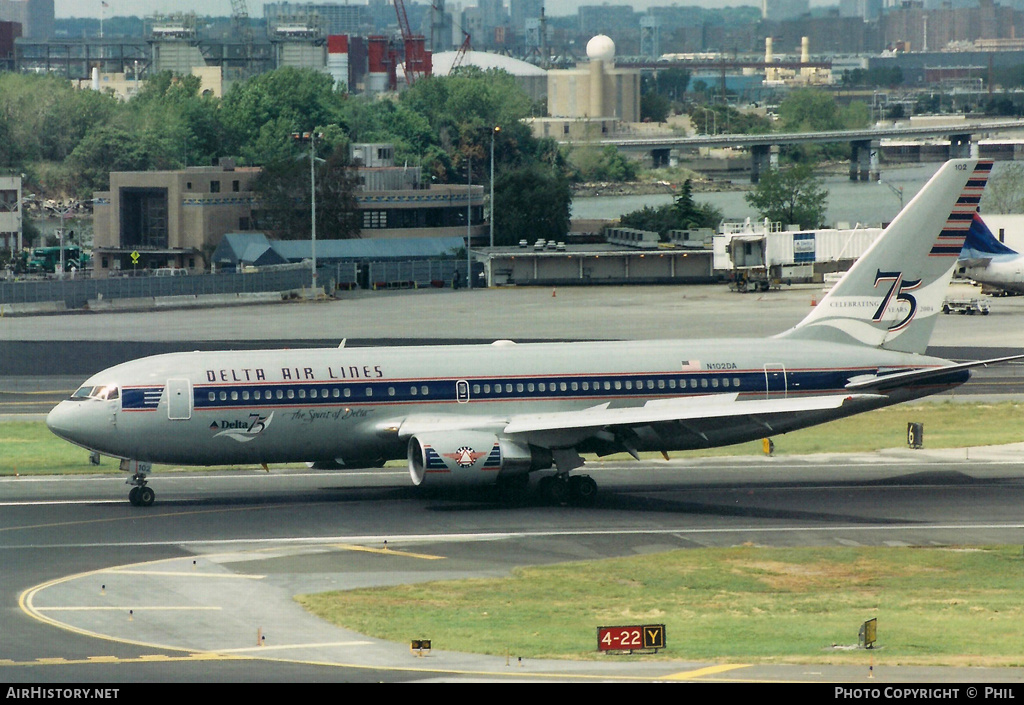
988	261
492	414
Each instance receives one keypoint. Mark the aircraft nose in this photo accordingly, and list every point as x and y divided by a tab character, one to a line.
59	420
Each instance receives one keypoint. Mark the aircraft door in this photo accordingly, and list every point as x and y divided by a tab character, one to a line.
775	383
179	399
462	391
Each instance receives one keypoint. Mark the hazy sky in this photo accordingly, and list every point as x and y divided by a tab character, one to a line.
143	8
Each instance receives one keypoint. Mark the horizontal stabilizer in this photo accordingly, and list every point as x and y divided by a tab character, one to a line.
881	382
975	261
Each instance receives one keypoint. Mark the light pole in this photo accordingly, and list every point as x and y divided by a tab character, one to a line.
63	214
311	137
714	120
494	131
898	190
469	220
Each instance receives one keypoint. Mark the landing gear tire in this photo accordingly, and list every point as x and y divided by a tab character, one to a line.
578	490
582	490
146	496
553	489
140	495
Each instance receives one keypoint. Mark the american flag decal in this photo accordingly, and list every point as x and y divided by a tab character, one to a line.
951	238
141	398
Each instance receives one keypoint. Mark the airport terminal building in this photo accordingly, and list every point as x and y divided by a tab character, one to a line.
176	219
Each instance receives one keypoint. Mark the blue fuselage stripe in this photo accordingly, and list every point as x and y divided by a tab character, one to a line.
502	389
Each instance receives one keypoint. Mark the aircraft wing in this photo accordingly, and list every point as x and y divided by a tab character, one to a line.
561	429
695	414
975	261
880	382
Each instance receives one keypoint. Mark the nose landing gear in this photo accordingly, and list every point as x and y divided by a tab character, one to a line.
140	495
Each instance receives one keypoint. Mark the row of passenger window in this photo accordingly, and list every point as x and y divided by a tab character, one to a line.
609	385
303	393
325	393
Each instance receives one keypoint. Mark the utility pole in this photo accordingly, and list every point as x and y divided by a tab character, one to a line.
311	137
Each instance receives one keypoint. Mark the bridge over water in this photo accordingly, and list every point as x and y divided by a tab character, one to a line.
864	165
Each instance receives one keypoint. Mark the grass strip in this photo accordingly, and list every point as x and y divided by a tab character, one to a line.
29	447
934	606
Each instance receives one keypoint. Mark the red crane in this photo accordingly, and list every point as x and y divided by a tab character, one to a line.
461	53
417	59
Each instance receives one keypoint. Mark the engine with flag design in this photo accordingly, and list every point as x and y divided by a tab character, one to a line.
469	458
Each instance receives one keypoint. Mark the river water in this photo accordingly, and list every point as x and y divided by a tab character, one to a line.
866	202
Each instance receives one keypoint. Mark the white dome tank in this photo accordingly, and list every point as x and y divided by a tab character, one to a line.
601	48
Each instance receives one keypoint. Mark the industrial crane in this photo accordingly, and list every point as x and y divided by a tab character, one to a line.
240	15
416	61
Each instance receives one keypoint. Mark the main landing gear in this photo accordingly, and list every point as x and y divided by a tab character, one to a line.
577	490
558	489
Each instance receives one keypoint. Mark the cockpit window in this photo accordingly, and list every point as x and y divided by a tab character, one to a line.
103	392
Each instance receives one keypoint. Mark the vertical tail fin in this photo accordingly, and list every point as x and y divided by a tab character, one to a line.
891	295
982	244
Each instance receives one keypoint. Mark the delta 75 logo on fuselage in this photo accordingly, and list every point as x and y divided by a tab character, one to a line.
243	431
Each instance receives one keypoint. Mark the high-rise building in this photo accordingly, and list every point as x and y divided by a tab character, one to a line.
783	9
34	16
650	37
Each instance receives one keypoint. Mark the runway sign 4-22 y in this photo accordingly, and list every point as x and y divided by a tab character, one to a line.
631	638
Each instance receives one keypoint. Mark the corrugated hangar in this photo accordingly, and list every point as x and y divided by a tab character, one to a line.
564	264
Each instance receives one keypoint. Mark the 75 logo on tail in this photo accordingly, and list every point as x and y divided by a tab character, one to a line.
897	292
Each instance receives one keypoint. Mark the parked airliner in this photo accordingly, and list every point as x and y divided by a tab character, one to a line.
989	262
492	414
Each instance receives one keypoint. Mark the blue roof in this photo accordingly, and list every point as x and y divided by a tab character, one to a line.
370	248
233	246
256	248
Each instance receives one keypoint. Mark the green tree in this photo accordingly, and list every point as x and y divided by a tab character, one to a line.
460	113
46	117
591	163
260	114
193	120
529	203
672	83
1005	190
114	147
282	189
790	196
654	107
682	214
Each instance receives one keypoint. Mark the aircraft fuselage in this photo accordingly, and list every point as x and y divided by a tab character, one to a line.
347	404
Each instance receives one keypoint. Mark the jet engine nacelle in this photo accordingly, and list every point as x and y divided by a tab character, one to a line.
470	458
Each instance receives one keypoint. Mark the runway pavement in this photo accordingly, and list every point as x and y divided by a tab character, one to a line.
206	578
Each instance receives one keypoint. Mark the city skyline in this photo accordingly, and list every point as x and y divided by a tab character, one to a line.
222	8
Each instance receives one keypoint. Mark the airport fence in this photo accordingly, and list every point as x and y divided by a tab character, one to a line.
76	293
401	274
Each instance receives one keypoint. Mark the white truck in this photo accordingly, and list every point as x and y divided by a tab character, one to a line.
965	306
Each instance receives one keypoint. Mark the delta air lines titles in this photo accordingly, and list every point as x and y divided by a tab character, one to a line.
295	374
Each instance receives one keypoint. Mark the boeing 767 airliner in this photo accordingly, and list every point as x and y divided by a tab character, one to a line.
492	414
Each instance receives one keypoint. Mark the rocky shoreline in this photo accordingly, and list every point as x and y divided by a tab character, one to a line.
643	188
